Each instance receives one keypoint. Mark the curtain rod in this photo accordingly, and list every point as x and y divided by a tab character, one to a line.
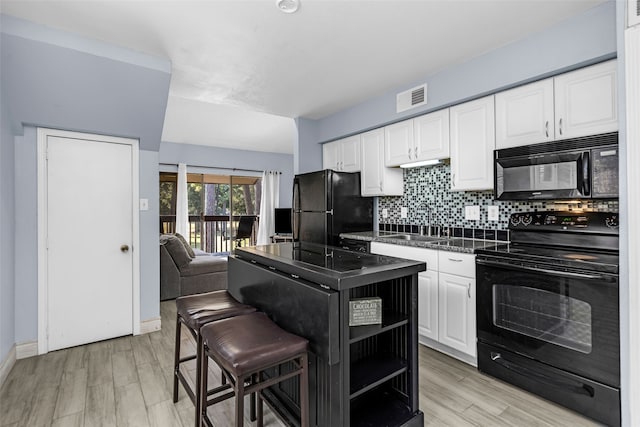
216	167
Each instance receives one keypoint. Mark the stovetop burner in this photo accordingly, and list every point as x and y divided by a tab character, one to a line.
586	241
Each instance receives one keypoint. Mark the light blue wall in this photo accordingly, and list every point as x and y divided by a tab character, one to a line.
63	82
212	157
58	80
7	233
311	153
149	258
578	41
26	229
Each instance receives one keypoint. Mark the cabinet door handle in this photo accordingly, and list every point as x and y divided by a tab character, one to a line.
469	289
415	152
409	153
546	128
455	260
560	126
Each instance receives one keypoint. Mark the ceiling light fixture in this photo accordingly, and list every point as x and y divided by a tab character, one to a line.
288	6
423	163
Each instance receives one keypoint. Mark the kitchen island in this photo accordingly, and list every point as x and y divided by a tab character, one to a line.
359	375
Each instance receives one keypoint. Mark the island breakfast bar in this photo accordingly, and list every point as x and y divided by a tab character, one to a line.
358	375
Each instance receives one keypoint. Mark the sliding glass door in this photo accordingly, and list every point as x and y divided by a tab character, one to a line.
223	209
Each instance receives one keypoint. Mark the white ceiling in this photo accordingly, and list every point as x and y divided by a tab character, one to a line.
242	69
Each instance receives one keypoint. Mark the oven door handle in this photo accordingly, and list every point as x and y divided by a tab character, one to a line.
540	270
565	383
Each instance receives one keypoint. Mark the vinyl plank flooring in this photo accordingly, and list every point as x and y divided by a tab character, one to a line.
124	368
42	407
15	397
130	407
164	414
129	381
143	351
77	358
154	387
100	368
100	408
73	389
73	420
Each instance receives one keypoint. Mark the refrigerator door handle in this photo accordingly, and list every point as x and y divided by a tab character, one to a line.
296	210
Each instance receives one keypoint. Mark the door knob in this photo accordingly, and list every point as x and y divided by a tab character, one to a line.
124	248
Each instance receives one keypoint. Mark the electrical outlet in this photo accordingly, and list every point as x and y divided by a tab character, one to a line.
385	213
493	213
403	212
144	204
472	213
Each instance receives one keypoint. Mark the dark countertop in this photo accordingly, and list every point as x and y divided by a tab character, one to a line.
327	265
451	244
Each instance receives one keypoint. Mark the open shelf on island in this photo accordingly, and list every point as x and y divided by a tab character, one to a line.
390	320
381	407
373	371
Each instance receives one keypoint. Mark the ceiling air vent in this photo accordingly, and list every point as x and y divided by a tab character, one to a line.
411	98
633	8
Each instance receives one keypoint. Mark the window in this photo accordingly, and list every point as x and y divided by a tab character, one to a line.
216	204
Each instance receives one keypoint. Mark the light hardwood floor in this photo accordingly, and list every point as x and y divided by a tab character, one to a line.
128	382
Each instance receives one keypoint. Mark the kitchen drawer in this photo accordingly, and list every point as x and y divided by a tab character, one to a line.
430	256
457	263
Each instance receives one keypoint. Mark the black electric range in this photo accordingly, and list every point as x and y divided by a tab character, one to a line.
547	310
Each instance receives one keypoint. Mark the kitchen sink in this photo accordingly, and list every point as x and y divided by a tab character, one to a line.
416	238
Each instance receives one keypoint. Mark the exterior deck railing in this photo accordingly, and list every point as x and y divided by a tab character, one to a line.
211	233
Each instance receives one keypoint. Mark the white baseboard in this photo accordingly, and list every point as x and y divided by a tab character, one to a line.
150	325
7	364
26	349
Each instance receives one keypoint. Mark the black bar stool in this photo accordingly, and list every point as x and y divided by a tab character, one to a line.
244	347
195	311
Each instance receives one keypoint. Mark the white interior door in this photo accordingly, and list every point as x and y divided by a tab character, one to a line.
89	241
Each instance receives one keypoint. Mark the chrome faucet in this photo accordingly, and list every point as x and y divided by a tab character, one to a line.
429	213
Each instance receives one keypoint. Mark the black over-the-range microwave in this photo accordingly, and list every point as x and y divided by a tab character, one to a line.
579	168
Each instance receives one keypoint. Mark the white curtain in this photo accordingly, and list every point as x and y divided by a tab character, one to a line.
270	201
182	206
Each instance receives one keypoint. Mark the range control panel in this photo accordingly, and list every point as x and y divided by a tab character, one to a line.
596	222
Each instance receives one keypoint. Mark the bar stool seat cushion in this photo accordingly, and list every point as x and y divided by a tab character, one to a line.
248	343
197	310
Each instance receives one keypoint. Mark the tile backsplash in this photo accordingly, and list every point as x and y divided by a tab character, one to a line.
429	189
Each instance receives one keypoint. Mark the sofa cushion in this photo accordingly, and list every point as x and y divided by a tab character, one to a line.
205	264
176	249
187	246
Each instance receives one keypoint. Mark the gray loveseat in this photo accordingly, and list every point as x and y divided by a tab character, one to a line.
183	272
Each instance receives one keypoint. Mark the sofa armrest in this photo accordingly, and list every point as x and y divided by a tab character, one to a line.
169	276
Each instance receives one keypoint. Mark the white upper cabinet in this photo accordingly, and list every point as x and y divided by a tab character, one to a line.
399	143
342	155
579	103
524	115
431	136
472	144
375	178
586	101
423	138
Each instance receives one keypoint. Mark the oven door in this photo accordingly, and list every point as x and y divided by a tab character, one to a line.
566	319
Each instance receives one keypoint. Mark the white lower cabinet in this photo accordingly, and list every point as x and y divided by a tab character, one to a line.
428	304
457	312
446	298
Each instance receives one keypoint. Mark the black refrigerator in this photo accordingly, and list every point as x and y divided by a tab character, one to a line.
327	203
